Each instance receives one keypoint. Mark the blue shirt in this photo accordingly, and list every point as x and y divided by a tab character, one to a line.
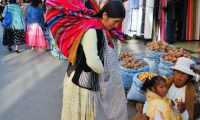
35	15
17	20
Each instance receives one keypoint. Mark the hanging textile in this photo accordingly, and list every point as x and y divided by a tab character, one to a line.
188	20
159	12
198	21
127	20
145	18
140	15
130	21
134	6
148	19
163	21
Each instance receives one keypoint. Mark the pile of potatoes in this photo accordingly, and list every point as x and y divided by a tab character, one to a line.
159	46
174	54
128	61
124	55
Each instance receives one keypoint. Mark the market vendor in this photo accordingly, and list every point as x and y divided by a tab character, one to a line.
182	89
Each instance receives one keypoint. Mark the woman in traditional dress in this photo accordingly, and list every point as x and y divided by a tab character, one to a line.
93	88
14	33
35	26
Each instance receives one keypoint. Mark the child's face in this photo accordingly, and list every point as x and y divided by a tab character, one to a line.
161	89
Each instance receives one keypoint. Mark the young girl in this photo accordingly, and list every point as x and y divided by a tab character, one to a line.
159	106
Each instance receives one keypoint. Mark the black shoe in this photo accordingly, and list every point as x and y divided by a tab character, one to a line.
9	48
17	51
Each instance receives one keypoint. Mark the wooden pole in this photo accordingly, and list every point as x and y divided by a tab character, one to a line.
196	69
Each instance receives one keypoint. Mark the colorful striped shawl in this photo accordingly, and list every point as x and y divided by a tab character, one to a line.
68	20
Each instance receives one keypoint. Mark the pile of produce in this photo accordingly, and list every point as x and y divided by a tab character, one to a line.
124	55
128	61
144	75
159	46
174	54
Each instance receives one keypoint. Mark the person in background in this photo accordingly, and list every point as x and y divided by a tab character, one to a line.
44	5
182	88
14	33
40	4
2	6
118	0
35	27
24	7
47	37
20	3
172	16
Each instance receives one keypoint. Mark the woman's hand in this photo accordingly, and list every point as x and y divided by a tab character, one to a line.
181	107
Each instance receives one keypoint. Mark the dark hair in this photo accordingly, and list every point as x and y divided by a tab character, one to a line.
44	5
189	79
26	1
35	3
12	1
5	1
114	9
152	82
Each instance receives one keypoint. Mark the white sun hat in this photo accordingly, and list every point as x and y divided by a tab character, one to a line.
183	65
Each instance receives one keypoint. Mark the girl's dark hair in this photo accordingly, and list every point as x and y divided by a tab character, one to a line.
12	1
152	82
35	3
114	9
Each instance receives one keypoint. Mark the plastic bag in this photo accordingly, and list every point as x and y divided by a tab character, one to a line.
127	75
163	68
152	55
135	93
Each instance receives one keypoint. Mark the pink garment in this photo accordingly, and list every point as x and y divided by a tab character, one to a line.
163	21
35	36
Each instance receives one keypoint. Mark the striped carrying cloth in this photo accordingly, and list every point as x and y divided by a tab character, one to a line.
69	20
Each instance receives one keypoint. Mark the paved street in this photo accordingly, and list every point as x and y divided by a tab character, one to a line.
31	83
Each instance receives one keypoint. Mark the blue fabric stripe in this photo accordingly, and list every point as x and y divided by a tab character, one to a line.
55	19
